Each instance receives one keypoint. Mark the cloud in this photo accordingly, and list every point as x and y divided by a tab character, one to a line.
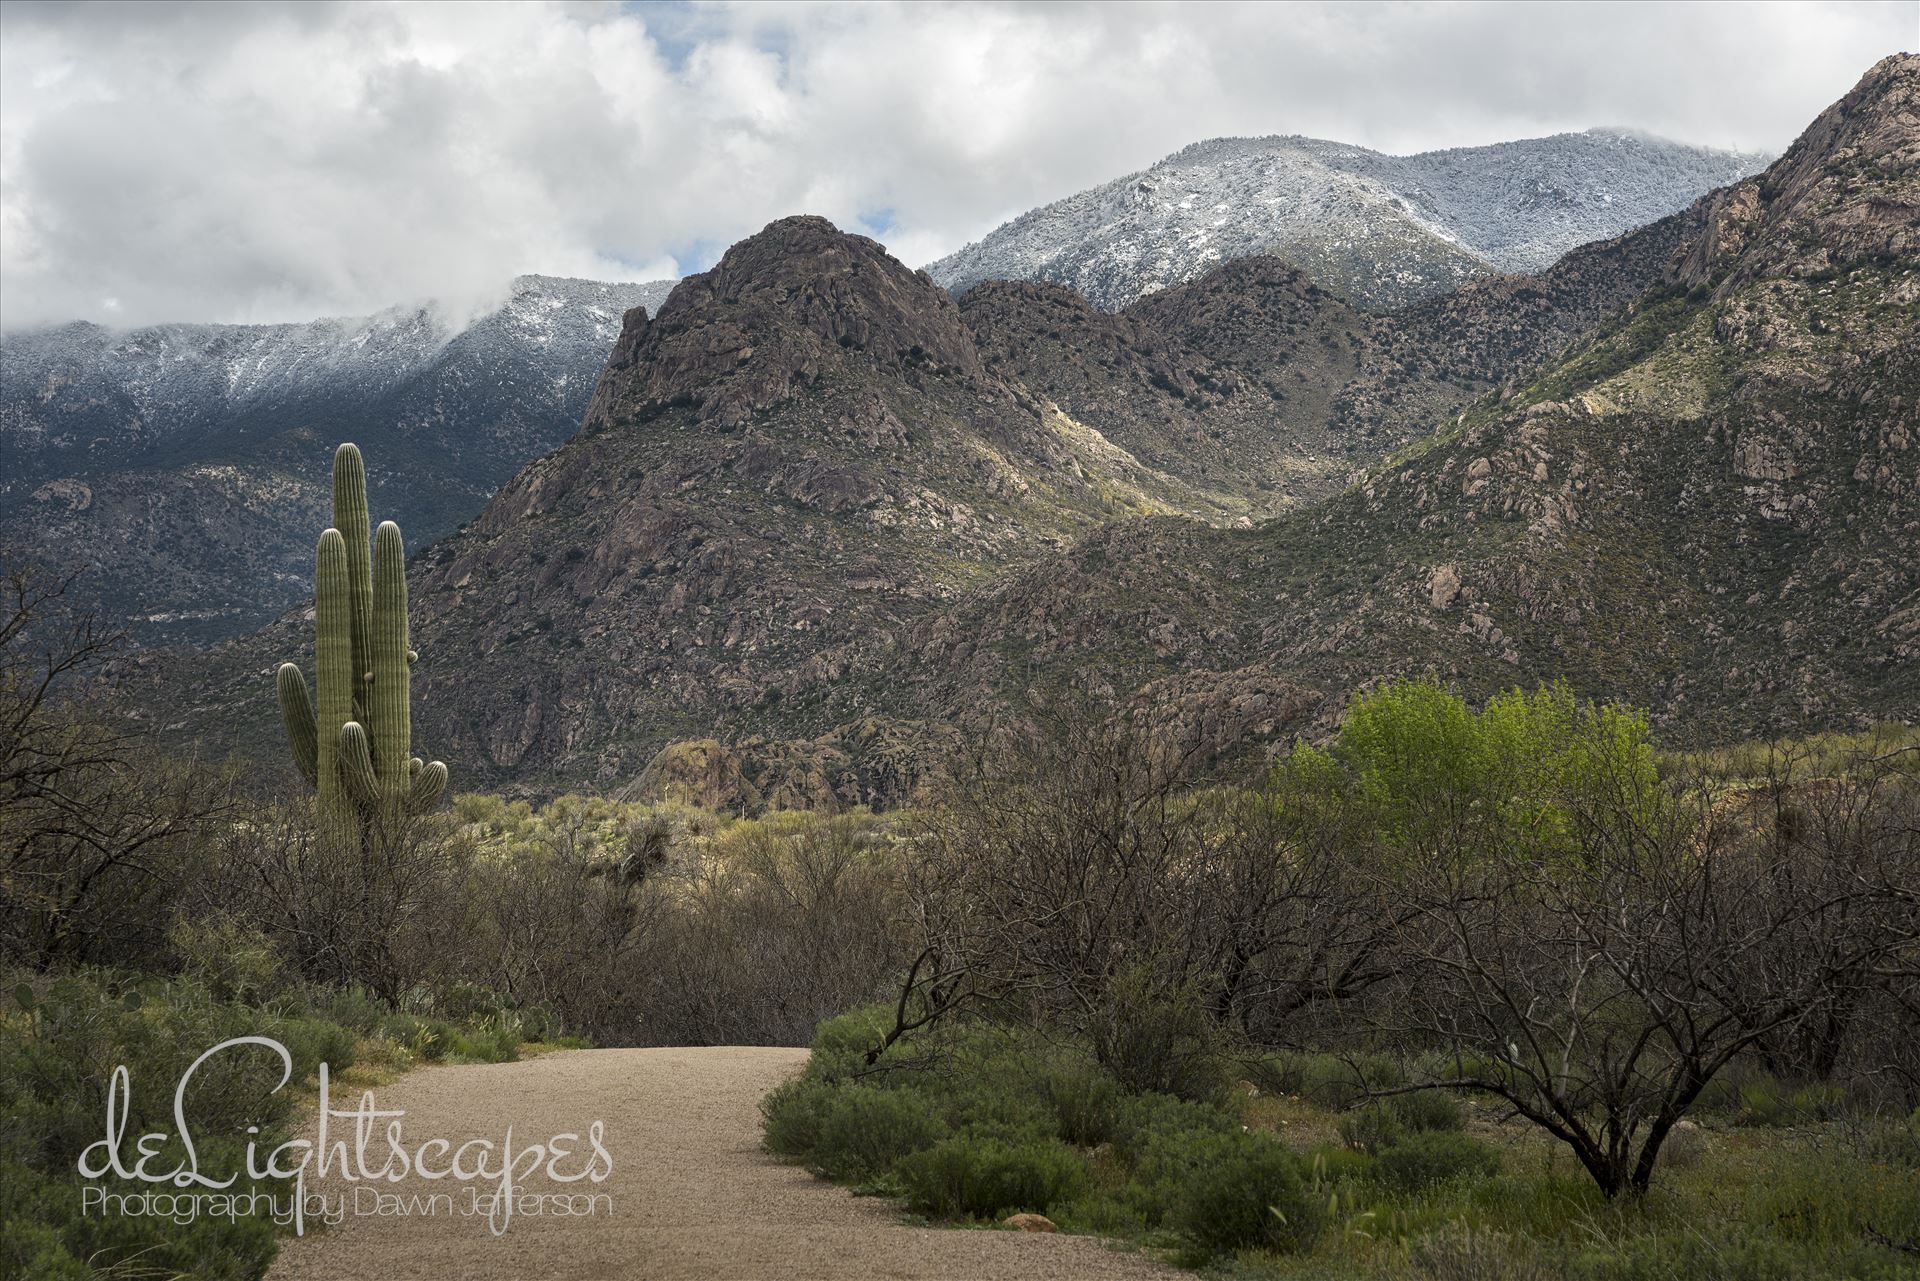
262	162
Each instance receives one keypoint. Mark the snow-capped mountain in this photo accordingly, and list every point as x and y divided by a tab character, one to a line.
122	450
1386	231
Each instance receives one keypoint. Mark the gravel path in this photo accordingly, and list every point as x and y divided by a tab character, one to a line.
693	1196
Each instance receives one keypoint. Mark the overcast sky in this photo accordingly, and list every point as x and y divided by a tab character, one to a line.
271	162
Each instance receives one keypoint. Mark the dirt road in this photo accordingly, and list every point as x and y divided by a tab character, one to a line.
692	1195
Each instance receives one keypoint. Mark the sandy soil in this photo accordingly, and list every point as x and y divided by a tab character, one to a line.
693	1196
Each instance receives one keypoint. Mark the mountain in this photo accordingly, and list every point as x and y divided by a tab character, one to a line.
811	449
172	459
1710	508
824	525
1259	388
800	453
1383	231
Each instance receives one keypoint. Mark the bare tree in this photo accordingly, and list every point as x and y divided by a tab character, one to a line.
1095	882
1845	831
96	830
1599	989
798	922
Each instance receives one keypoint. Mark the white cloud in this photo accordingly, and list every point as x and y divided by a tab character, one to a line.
229	162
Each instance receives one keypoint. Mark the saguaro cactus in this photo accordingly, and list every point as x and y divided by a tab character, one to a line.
356	748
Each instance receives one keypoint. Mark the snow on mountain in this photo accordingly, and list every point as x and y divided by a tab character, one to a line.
81	393
1386	231
185	462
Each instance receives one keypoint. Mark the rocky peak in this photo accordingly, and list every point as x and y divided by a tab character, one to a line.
1848	190
782	310
1012	320
1255	305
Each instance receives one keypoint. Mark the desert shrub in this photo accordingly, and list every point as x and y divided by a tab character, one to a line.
1686	1144
986	1178
1765	1101
1145	1119
59	1044
1159	1039
1000	1107
1461	1252
1897	1144
234	961
313	1041
1726	1255
1371	1128
1428	1110
1334	1082
1820	1198
1384	1122
840	1044
863	1132
429	1040
1274	1072
1084	1100
490	1038
1420	1160
793	1113
1242	1190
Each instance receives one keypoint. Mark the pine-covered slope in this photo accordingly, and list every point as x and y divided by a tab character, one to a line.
171	460
1384	231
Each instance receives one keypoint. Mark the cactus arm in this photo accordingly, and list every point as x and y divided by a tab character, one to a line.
334	646
350	518
356	765
296	713
427	787
392	717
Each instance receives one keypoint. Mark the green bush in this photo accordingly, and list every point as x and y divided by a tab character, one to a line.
233	962
1428	1110
1084	1100
1459	1252
1246	1190
793	1113
1898	1144
1715	1254
1334	1082
1159	1039
987	1178
840	1044
1371	1128
1421	1160
998	1105
1821	1198
313	1041
58	1049
863	1132
1387	1121
1143	1119
1764	1101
